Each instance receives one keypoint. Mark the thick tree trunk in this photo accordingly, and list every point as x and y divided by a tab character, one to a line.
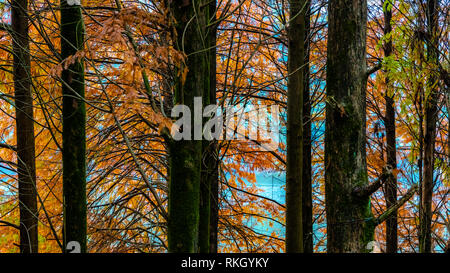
391	150
74	128
348	226
294	163
210	172
307	213
26	164
431	111
186	155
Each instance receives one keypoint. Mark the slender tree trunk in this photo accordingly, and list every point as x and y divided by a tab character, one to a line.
74	128
348	226
206	181
26	164
294	164
431	110
307	207
214	155
186	155
214	220
210	174
420	155
391	150
213	159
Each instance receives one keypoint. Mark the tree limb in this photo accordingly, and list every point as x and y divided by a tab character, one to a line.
5	27
9	224
365	191
6	146
410	193
373	69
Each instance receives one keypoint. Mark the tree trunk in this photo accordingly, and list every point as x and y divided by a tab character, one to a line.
74	128
348	226
431	111
26	164
186	155
210	172
214	155
214	217
294	163
391	150
307	213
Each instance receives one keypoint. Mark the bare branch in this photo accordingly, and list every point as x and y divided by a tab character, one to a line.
365	191
5	27
6	146
373	69
9	224
410	193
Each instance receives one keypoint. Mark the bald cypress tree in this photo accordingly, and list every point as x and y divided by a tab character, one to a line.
74	127
26	164
294	163
307	206
391	149
348	215
431	115
185	156
210	172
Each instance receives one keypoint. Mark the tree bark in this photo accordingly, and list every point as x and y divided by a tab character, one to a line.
210	171
214	219
294	163
26	164
391	150
186	155
307	207
349	228
431	111
74	128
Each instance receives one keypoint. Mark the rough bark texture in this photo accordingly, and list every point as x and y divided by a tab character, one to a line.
210	174
186	155
431	110
26	165
74	128
294	163
349	227
307	213
391	150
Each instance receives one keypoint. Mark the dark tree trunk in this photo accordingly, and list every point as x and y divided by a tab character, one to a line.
294	163
214	219
391	150
431	111
186	155
214	155
348	226
210	172
74	128
307	207
26	164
